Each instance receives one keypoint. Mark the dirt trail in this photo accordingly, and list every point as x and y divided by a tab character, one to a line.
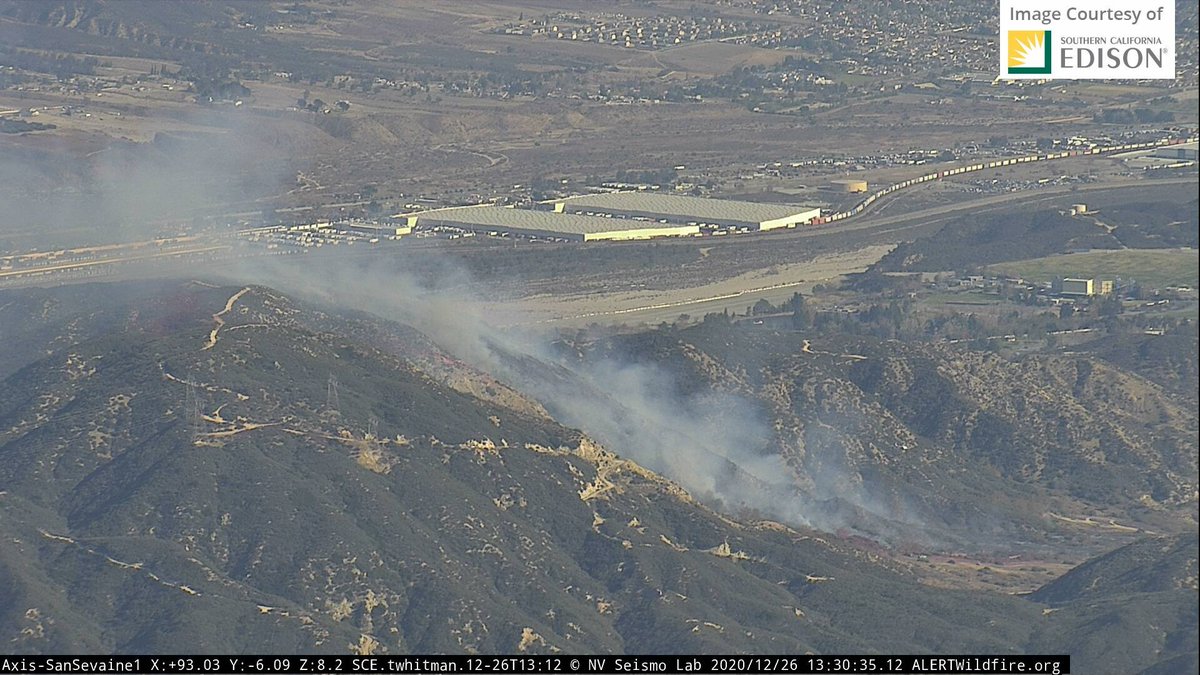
219	318
1089	521
806	348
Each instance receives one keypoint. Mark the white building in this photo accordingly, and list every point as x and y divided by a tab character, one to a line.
524	222
680	209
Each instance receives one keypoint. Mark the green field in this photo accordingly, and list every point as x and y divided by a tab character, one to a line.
1153	268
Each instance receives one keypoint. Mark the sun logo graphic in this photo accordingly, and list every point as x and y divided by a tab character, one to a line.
1028	52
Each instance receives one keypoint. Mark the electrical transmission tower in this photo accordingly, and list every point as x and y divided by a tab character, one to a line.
331	395
192	409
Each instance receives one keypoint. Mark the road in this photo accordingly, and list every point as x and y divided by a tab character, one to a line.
776	285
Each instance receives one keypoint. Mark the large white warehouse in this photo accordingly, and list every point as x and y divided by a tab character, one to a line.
529	223
680	209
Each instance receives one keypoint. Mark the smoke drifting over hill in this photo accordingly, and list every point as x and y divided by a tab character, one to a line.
720	446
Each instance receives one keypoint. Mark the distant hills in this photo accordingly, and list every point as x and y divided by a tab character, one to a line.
1035	234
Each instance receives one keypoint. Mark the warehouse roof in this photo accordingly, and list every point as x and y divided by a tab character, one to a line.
695	208
501	217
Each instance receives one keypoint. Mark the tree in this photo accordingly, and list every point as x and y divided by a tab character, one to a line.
801	314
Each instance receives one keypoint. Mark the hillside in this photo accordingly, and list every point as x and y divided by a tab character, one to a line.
1023	235
213	469
395	515
1133	606
953	442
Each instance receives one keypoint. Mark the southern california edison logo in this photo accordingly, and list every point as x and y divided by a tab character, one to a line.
1028	52
1086	40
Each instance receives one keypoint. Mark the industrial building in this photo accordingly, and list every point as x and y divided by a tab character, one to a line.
377	229
849	185
524	222
651	206
1083	287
